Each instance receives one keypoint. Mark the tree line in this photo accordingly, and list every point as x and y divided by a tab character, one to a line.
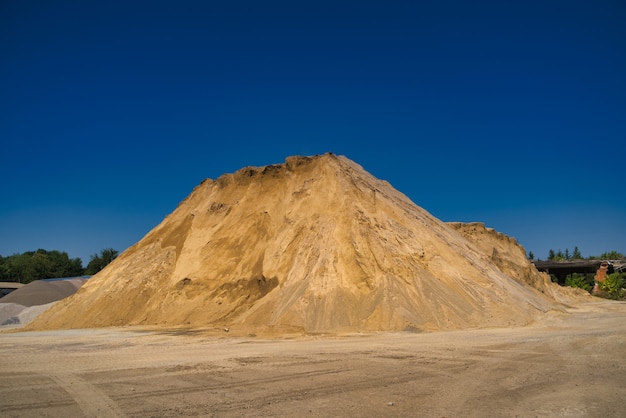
43	264
576	255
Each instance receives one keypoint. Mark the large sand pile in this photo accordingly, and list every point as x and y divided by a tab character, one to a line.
316	245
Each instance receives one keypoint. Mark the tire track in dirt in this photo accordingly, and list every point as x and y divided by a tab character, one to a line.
91	400
316	391
255	393
225	385
44	394
10	411
34	404
513	366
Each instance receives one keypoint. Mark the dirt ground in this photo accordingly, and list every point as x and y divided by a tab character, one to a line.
565	366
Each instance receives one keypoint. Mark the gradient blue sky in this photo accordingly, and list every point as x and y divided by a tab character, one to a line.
508	113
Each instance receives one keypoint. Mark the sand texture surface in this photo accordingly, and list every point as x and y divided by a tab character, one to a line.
314	245
564	365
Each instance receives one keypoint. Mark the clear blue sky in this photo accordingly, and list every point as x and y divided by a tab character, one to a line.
508	113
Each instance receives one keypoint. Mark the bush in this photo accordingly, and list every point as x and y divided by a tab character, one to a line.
578	281
612	285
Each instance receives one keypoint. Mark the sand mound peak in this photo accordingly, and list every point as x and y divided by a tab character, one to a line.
315	244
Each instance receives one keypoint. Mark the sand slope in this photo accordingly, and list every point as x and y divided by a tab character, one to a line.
316	244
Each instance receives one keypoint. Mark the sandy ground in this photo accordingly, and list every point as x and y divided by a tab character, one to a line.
566	365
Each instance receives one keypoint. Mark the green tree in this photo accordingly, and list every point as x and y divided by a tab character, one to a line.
559	256
531	256
551	255
567	256
19	268
611	255
576	255
3	270
40	264
63	266
100	261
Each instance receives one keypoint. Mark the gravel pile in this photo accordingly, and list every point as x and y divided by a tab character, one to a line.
41	292
24	304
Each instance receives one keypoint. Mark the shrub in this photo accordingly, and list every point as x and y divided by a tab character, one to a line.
578	281
612	285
